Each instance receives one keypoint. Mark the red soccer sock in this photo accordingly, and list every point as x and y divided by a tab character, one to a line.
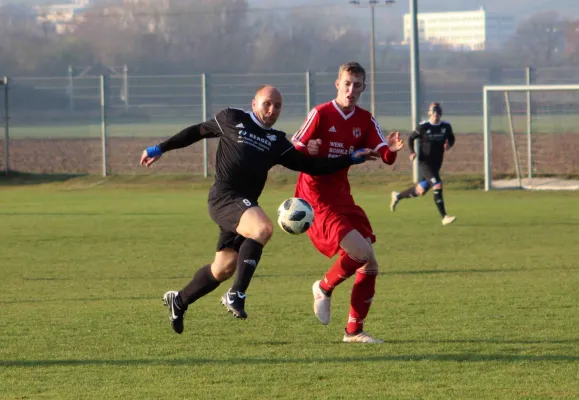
361	300
344	267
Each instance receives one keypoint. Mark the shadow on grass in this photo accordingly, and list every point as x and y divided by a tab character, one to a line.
487	341
463	357
417	272
16	178
86	299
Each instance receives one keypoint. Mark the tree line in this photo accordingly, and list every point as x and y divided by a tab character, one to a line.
227	36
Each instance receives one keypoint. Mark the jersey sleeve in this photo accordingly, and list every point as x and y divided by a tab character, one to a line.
376	140
214	127
413	137
307	131
450	136
205	130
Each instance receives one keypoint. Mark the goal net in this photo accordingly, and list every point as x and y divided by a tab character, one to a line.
531	137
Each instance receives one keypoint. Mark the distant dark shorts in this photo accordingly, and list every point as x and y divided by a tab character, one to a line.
429	175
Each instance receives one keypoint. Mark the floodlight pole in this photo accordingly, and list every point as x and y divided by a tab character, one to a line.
415	82
372	4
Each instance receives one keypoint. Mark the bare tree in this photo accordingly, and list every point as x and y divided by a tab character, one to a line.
23	44
539	38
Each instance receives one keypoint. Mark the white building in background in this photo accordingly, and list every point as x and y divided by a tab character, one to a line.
63	17
463	30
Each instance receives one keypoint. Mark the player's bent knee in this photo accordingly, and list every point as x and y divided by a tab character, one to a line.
438	186
262	232
255	224
362	254
357	247
371	267
420	190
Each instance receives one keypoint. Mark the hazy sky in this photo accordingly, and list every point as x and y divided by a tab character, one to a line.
518	8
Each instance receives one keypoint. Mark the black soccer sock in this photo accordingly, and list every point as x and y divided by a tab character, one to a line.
439	202
249	256
408	193
203	282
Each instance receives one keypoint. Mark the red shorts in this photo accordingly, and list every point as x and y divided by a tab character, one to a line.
332	224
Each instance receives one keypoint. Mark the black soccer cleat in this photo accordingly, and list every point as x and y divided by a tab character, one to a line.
175	313
235	303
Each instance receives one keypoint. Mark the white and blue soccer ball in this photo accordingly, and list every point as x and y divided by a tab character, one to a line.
295	216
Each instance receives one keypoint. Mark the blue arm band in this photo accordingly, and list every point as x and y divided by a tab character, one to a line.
154	151
356	160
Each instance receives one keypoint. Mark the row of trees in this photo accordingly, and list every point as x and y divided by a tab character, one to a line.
189	36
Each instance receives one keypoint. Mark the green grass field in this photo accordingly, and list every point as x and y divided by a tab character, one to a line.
483	309
461	124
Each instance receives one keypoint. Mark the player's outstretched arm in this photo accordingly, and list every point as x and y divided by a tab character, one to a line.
297	161
185	138
188	136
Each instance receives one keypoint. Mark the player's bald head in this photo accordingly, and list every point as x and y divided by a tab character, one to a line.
267	104
268	91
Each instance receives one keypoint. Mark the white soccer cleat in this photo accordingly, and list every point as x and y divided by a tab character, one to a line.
394	201
361	337
448	219
322	304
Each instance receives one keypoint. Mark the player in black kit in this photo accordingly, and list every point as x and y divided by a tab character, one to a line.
435	137
248	149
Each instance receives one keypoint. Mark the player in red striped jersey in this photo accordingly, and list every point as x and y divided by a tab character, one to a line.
340	226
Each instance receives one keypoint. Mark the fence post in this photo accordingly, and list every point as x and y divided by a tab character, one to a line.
205	116
104	105
529	80
126	86
310	91
70	89
6	127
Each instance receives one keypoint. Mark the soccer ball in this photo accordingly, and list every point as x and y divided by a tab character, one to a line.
295	215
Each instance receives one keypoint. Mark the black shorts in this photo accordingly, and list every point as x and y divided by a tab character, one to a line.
430	173
225	209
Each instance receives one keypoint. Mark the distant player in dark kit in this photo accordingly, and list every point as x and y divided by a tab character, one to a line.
435	137
248	149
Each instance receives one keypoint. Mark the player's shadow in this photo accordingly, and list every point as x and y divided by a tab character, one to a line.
407	272
464	357
489	341
526	224
449	271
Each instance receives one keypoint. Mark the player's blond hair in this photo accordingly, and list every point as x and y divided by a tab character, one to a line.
352	68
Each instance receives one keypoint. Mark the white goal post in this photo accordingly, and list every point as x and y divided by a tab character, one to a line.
488	111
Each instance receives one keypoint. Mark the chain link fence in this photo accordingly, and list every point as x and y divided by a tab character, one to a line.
100	125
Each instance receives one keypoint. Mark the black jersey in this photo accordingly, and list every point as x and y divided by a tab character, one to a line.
432	139
248	150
